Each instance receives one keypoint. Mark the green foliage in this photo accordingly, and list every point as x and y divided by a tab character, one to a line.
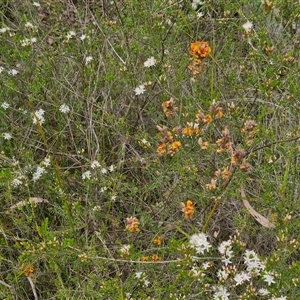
120	144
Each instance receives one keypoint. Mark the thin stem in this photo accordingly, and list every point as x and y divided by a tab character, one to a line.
211	214
33	288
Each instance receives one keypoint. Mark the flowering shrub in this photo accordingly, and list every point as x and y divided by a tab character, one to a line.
149	150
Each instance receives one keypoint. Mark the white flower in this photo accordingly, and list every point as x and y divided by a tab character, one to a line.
199	242
46	161
95	164
247	26
222	275
4	29
250	255
29	25
140	90
280	298
169	22
138	275
150	62
206	265
88	59
38	173
86	175
225	246
125	249
111	168
103	189
83	37
16	182
263	292
241	277
70	34
38	116
146	282
268	278
104	171
64	109
1	69
97	208
5	105
196	3
221	293
200	15
7	136
226	260
36	4
25	42
13	72
253	262
113	197
195	271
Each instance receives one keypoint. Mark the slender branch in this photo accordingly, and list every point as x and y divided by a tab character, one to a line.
5	284
273	143
143	262
33	288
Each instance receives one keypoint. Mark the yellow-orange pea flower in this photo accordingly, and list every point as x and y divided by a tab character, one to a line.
190	130
144	258
176	145
188	209
28	271
161	149
208	119
132	224
157	241
155	257
200	49
219	112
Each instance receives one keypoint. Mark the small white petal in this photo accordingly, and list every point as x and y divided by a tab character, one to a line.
150	62
140	90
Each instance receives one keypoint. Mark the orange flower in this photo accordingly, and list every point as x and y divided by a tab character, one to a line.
190	130
144	258
200	49
188	209
169	107
155	257
161	149
157	241
28	271
132	224
176	145
208	119
219	112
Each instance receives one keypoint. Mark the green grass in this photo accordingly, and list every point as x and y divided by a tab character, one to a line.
71	177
